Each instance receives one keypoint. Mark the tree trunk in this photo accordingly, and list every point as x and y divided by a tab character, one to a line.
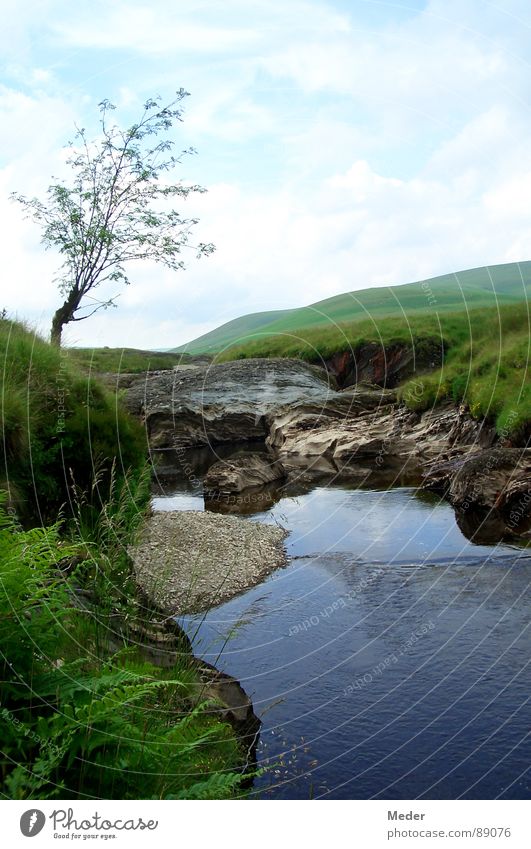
57	329
63	315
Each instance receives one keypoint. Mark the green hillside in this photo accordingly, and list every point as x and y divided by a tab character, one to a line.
85	712
477	287
236	330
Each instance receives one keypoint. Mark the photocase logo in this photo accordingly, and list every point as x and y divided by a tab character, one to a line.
32	822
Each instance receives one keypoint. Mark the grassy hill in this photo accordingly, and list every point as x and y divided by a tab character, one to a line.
77	687
59	425
477	287
236	330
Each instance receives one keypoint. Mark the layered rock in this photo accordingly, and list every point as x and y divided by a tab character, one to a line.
367	432
223	403
315	429
237	474
298	410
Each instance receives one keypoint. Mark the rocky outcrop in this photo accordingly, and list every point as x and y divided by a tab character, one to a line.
223	403
314	429
240	473
375	434
385	366
229	702
491	493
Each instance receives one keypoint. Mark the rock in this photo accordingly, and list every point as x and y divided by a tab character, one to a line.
437	476
229	701
373	433
242	472
384	365
244	484
125	380
222	403
309	429
491	493
248	502
187	561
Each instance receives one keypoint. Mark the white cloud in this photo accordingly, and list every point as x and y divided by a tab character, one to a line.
205	27
511	199
146	31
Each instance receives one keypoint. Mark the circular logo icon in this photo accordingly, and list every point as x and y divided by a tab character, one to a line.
31	822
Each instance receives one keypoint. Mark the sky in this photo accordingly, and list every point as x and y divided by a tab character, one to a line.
343	145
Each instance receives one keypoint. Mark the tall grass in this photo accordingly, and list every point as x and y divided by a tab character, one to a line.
58	425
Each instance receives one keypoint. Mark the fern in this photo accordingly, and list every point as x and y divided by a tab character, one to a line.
79	723
216	786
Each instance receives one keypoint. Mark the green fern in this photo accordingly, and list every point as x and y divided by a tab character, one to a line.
76	723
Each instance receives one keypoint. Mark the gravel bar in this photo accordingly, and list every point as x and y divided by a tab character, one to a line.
189	561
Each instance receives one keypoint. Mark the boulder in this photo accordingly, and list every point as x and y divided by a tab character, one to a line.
242	472
223	403
229	702
491	493
251	501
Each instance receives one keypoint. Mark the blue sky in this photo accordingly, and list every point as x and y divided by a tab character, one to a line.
343	144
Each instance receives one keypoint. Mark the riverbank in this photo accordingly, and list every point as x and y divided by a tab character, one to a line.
81	677
477	357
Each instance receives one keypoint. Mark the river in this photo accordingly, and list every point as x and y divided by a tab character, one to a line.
389	659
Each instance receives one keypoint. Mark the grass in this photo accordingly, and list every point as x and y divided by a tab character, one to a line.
59	426
128	360
486	363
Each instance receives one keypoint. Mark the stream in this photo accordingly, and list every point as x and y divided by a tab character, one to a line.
390	657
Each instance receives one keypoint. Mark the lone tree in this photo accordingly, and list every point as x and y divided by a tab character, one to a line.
115	208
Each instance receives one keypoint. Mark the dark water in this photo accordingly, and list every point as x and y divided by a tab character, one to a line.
389	659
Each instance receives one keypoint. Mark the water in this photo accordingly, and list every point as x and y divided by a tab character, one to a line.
389	659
